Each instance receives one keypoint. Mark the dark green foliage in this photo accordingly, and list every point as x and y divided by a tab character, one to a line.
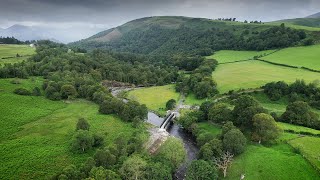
22	91
157	171
98	140
200	81
188	120
204	108
200	169
220	113
105	158
82	124
234	141
227	127
36	91
68	91
308	42
265	128
10	40
210	150
245	108
300	113
82	141
275	90
171	104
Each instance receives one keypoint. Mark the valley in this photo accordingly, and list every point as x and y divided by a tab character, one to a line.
244	98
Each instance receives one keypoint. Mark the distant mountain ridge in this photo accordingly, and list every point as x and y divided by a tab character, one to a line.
317	15
25	33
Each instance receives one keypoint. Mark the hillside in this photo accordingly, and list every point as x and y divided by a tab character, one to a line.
308	22
317	15
184	35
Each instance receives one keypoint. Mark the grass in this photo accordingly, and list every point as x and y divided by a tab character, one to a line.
192	100
310	148
253	74
210	128
155	98
305	56
226	56
7	50
36	132
276	162
297	129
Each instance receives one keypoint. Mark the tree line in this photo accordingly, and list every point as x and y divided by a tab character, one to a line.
301	96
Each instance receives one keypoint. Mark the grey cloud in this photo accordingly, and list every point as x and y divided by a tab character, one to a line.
115	12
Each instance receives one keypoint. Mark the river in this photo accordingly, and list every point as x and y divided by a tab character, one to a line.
188	141
175	131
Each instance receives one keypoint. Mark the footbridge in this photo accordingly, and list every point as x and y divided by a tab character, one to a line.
167	120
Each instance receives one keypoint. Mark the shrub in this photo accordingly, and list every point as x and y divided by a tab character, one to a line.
22	91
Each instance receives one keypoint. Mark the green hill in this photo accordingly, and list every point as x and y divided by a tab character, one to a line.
308	22
184	35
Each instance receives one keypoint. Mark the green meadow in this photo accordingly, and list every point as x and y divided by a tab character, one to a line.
11	51
254	74
227	56
36	132
305	56
310	148
155	98
275	162
191	99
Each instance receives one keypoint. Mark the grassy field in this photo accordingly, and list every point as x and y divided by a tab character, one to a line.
12	51
254	74
276	162
155	98
192	100
297	129
305	56
36	132
226	56
310	148
210	128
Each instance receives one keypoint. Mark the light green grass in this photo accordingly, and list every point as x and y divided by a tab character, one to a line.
155	98
297	129
210	128
276	162
310	148
192	100
305	56
254	74
226	56
12	50
36	133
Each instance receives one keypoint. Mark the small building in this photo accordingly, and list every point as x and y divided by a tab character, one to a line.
32	45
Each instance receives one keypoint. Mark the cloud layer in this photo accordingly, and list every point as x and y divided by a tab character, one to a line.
101	14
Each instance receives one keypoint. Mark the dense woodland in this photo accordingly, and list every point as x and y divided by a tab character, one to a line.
10	40
189	38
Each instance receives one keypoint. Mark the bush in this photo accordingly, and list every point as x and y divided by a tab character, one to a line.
22	91
171	104
234	141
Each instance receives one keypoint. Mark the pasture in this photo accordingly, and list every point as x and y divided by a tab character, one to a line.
8	53
155	98
305	56
309	147
275	162
254	74
227	56
192	100
36	132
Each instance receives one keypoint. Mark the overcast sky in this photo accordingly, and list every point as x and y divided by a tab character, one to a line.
90	16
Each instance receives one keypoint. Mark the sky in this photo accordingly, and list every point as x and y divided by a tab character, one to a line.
84	18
